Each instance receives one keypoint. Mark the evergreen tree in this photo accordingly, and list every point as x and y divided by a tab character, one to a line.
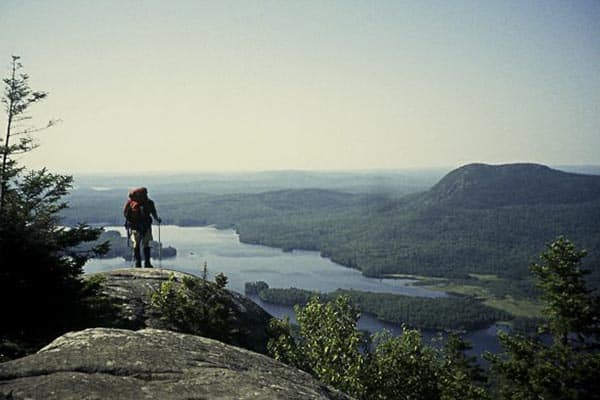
458	374
565	366
41	290
573	311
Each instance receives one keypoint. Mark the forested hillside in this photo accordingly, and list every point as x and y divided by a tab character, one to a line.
479	219
487	186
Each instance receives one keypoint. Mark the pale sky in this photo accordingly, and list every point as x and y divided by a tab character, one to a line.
266	85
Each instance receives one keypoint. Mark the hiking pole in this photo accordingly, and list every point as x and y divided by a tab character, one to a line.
128	233
159	247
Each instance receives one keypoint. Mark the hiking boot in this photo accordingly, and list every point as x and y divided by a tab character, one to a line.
138	258
147	263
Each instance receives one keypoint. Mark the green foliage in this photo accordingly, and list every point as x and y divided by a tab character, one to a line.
402	367
251	288
531	369
194	306
328	344
330	347
567	367
570	306
17	98
282	345
289	296
458	374
221	280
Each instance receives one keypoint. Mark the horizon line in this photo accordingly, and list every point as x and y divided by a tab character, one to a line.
316	170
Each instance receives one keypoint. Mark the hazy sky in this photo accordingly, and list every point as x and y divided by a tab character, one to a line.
261	85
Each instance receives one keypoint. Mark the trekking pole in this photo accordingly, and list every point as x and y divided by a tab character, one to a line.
159	248
129	244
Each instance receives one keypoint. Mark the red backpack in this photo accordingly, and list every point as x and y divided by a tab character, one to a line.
133	211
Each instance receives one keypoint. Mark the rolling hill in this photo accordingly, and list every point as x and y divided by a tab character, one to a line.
490	186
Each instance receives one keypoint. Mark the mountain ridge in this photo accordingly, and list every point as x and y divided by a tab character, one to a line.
487	186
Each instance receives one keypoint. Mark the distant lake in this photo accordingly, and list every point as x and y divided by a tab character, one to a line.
241	263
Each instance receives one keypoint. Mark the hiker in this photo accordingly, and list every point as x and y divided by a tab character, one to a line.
139	212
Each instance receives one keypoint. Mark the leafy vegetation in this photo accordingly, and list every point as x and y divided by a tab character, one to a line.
403	367
195	306
331	343
329	346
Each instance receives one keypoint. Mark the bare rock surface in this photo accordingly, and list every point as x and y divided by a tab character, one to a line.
102	363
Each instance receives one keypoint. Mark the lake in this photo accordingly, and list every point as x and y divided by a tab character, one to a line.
241	263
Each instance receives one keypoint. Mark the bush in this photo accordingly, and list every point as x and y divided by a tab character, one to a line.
194	306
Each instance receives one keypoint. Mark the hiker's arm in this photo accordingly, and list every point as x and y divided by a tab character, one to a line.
154	213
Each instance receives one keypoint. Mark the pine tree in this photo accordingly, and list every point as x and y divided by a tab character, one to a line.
41	290
566	365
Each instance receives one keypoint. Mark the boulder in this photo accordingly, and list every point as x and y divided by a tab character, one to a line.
103	363
132	290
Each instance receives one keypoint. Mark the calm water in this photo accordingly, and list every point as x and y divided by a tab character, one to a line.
241	263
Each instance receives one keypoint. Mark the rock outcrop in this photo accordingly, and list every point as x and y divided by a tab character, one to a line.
103	363
132	290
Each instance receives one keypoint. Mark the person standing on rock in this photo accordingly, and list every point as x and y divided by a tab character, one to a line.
139	211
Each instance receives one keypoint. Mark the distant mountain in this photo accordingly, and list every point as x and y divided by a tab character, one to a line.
489	186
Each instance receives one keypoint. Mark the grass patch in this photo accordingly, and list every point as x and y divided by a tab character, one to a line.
465	290
415	277
516	307
486	277
527	308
